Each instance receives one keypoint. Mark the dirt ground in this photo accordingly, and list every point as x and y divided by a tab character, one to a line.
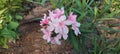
31	42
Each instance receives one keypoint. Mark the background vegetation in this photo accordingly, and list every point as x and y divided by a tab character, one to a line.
9	17
93	16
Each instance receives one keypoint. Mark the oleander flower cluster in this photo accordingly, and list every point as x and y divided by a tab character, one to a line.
56	26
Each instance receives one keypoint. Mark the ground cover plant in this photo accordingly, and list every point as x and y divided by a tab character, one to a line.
9	17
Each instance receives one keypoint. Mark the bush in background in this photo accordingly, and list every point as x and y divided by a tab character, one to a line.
9	17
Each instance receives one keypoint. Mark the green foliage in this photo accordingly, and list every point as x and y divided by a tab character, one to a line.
13	25
91	14
73	40
9	17
42	2
115	5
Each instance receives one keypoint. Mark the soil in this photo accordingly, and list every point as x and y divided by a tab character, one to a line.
31	42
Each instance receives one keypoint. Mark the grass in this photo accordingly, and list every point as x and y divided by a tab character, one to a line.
92	14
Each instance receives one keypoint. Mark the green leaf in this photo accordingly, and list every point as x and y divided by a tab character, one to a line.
2	11
95	11
8	17
104	19
83	14
15	7
74	40
95	45
113	13
106	8
1	26
19	17
76	10
13	25
84	3
91	2
3	42
7	33
43	2
78	3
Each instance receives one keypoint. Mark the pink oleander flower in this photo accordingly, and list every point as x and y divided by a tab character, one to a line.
57	13
57	23
47	34
45	20
61	27
75	24
56	40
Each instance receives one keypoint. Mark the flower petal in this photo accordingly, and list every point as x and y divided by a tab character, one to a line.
62	18
72	17
77	24
77	32
57	29
50	27
44	37
59	36
67	22
57	41
65	36
65	30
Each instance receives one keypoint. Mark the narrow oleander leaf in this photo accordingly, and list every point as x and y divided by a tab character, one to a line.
74	40
78	3
95	11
